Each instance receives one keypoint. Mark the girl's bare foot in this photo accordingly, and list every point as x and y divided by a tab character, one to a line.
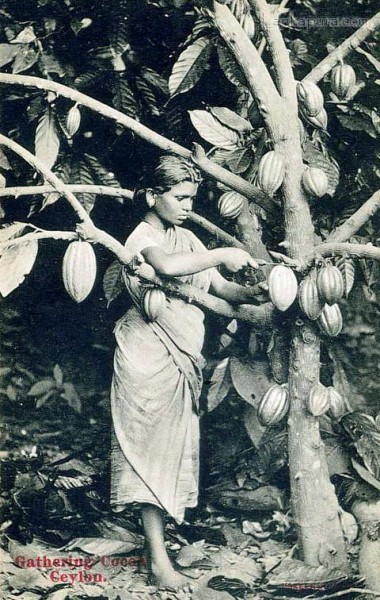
166	577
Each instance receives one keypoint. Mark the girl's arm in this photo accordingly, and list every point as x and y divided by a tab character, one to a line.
187	263
233	292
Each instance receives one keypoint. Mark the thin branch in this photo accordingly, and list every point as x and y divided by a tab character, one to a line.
357	220
32	190
356	250
210	168
267	16
345	48
68	236
220	234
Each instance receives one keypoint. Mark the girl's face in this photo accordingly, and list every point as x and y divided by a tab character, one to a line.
174	205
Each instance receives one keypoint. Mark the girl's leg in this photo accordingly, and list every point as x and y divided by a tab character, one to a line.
160	565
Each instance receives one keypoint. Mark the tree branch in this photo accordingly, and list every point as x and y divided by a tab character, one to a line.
39	235
357	250
282	66
103	190
357	220
345	48
215	171
260	83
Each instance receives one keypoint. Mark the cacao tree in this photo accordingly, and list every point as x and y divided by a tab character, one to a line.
269	151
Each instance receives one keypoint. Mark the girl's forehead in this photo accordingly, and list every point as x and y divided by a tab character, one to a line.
187	188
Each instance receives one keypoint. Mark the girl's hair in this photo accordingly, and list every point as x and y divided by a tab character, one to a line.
169	171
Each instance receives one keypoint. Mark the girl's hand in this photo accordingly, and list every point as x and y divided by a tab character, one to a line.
235	259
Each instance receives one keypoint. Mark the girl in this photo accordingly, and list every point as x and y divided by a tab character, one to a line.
157	367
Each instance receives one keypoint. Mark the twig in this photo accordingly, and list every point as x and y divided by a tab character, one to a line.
213	170
357	220
345	48
39	235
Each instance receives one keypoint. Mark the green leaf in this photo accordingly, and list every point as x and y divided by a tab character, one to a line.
123	98
25	58
250	379
82	174
190	65
42	387
100	546
113	282
46	139
14	230
26	36
7	53
230	67
220	384
211	130
72	397
15	264
155	80
58	375
230	118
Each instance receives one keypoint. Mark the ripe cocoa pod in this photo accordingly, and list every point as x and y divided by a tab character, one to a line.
153	304
283	287
308	297
230	205
274	405
315	182
330	284
73	120
337	405
319	121
271	171
310	97
331	320
347	269
343	79
317	402
79	270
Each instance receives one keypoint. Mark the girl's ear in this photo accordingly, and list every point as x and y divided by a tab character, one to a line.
150	198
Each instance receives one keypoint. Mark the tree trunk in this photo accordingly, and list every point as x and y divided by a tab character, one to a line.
315	506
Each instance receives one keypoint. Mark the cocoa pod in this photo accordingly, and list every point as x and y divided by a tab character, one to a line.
283	287
79	270
317	402
343	79
319	121
274	405
230	205
310	98
347	269
308	297
331	320
315	182
73	120
330	284
271	171
337	405
153	304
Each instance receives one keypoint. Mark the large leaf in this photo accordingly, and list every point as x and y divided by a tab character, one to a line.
252	425
11	231
123	98
251	379
230	118
25	58
189	66
100	546
113	282
220	384
15	264
7	53
81	173
229	67
46	139
213	131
